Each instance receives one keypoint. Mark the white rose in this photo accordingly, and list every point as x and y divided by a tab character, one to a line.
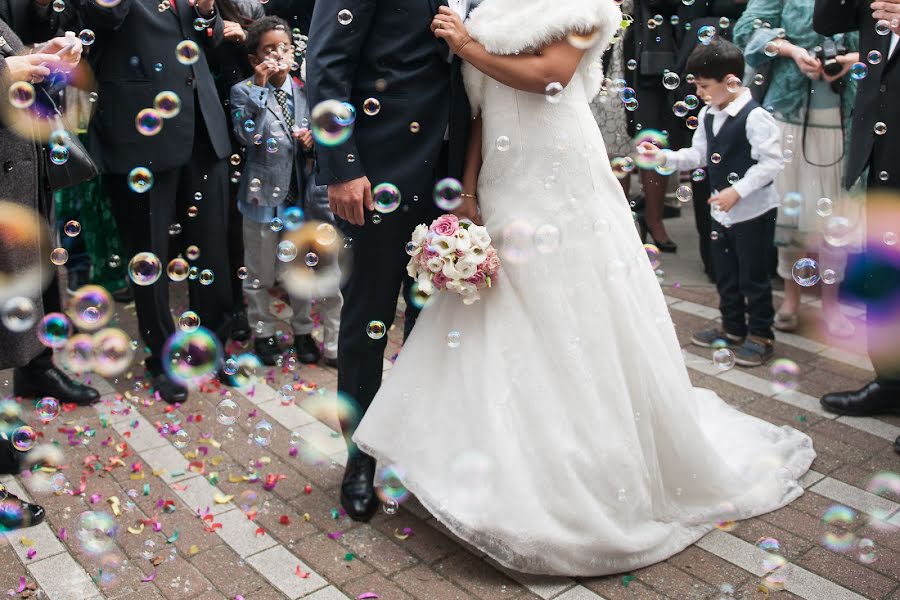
435	264
418	235
412	267
479	236
444	244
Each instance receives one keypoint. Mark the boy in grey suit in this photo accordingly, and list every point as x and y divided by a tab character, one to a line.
270	115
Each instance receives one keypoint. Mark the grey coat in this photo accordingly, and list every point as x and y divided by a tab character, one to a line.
21	183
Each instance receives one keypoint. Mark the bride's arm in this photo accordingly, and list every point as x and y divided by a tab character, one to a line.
469	208
555	63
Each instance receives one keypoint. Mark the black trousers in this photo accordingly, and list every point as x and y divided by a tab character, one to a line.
703	221
144	221
741	255
379	259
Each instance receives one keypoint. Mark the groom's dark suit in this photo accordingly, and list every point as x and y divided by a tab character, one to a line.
387	52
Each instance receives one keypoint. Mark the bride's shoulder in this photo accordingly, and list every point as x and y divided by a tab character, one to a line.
509	26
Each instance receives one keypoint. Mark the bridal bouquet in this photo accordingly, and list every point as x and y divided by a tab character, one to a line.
452	255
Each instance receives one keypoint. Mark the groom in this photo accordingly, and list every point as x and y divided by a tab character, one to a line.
410	131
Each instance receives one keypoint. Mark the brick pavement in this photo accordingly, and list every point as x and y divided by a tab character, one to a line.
198	522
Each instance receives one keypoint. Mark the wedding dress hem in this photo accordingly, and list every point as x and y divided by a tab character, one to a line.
500	551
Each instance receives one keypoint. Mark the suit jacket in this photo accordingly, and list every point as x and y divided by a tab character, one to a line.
134	59
389	53
34	24
272	169
298	13
877	95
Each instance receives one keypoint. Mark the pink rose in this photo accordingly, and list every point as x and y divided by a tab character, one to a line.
445	225
439	280
478	279
429	252
491	263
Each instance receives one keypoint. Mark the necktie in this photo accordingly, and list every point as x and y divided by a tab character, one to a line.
281	98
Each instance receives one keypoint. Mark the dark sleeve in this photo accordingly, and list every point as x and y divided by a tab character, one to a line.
331	60
97	16
836	16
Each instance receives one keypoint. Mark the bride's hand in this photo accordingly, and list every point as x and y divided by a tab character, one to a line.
448	26
468	210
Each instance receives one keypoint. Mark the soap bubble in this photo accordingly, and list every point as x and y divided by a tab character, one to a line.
448	194
723	359
178	269
192	357
376	330
784	375
23	438
148	122
140	180
386	197
113	352
91	308
263	433
144	268
167	104
332	122
54	330
47	409
187	52
228	411
18	314
806	272
96	532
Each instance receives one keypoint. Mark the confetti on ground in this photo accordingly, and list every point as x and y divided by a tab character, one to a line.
627	579
368	596
301	573
149	577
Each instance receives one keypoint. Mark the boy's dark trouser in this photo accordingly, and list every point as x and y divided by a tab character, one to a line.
741	255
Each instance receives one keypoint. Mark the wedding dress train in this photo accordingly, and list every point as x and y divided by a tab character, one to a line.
561	434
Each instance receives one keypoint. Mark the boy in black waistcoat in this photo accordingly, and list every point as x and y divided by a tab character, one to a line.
738	145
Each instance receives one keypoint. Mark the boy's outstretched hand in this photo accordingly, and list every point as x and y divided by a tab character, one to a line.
725	200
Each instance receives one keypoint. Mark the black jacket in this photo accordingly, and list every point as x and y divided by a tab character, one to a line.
134	59
877	95
389	53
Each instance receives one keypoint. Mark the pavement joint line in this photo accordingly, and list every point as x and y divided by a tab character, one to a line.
854	497
229	508
65	568
748	557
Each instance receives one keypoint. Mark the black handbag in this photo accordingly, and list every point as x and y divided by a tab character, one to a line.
78	166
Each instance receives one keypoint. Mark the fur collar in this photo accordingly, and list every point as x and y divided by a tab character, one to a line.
510	26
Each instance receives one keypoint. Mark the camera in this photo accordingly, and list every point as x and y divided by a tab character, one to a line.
827	53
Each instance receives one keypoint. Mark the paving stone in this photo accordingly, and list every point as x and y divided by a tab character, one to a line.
708	567
62	578
228	573
612	588
478	577
847	573
240	534
329	593
375	583
674	582
328	558
426	543
372	546
278	566
424	583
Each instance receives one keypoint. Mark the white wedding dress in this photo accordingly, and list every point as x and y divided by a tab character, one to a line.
562	435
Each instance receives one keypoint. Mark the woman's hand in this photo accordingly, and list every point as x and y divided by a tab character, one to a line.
67	48
887	10
233	32
468	210
31	67
846	61
448	26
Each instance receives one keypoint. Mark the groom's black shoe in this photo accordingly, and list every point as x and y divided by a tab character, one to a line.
358	489
873	399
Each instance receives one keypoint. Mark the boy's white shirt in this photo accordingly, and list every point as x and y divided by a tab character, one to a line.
764	134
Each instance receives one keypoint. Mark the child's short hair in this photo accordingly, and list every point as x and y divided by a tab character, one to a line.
716	60
262	26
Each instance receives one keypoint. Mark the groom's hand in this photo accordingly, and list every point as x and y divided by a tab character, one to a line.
347	199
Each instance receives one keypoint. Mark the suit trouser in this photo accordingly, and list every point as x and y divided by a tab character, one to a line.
260	248
144	221
741	256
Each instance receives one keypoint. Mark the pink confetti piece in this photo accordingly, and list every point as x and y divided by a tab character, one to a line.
367	596
336	534
149	577
62	534
95	498
22	584
31	554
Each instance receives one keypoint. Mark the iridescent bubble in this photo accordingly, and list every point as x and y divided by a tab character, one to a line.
733	178
706	34
553	92
113	352
177	269
874	57
192	357
344	17
889	238
824	207
884	483
386	197
882	27
448	194
87	37
371	106
207	277
517	245
263	433
72	228
286	251
311	259
96	532
622	166
837	230
454	339
11	512
684	193
59	155
376	330
724	22
23	438
692	122
784	375
148	122
806	272
839	521
189	321
292	218
58	6
680	109
698	175
228	411
271	145
759	79
858	70
692	101
829	276
331	122
187	52
389	484
140	180
880	128
192	252
546	239
653	255
18	314
54	330
47	409
791	203
167	104
866	551
276	224
671	80
326	234
59	256
181	439
723	359
78	353
21	94
91	308
246	367
144	268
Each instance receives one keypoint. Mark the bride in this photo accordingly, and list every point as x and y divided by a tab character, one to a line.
552	424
